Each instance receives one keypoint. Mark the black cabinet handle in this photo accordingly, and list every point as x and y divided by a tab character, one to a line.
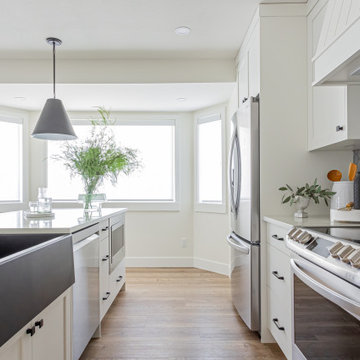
31	331
339	128
277	238
105	228
276	322
244	99
119	279
106	258
276	274
107	295
40	323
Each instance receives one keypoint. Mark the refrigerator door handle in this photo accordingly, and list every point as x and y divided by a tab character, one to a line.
236	245
231	173
237	146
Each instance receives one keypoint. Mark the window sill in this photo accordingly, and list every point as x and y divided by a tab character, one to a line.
130	205
210	208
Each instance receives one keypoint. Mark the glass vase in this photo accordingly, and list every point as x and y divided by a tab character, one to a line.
92	202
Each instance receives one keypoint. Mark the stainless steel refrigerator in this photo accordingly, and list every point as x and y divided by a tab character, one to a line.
244	193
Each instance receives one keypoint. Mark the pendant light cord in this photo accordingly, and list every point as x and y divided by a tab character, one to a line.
54	69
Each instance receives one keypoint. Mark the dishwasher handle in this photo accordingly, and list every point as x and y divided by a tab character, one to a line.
82	243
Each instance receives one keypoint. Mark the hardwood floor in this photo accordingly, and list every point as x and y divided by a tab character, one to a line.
176	313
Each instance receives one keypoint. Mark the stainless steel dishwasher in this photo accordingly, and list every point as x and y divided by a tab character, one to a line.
86	298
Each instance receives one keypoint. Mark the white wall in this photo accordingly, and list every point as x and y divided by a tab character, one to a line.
211	251
154	238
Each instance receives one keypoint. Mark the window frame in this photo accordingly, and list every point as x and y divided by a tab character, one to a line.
213	114
18	117
136	205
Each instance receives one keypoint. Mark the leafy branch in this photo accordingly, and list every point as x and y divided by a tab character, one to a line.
312	192
98	157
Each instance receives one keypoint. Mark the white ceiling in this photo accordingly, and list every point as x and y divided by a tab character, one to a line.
124	28
118	97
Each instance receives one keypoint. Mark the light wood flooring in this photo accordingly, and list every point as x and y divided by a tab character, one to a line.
176	313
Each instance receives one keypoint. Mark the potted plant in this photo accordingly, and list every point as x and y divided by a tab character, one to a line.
97	158
302	195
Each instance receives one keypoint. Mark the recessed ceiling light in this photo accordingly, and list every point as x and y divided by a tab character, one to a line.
181	99
182	31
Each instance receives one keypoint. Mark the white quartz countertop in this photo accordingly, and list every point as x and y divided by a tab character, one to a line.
312	221
65	221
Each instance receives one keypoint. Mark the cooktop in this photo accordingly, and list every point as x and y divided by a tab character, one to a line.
341	233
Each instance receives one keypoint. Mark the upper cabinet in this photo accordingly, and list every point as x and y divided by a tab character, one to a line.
248	68
332	110
337	56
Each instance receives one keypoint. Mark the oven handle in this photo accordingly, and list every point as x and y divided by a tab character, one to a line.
344	302
237	246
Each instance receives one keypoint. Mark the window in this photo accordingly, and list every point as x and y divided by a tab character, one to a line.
209	162
153	182
11	150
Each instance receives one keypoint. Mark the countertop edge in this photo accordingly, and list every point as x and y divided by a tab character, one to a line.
278	222
62	230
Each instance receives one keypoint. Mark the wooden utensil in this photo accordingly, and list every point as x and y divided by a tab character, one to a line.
352	171
334	175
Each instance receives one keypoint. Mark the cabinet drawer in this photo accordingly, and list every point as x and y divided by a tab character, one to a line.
104	229
117	278
278	272
279	321
104	247
276	237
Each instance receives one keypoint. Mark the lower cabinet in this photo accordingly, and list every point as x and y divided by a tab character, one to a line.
47	336
110	283
279	288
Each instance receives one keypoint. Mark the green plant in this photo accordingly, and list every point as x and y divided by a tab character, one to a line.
314	192
98	157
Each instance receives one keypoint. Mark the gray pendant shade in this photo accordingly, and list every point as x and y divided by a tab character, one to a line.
54	122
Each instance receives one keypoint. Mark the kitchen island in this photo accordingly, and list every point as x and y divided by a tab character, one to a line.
94	274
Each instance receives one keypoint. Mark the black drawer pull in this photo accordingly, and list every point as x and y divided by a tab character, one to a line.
31	331
276	322
104	229
277	238
106	258
339	128
40	323
276	274
119	279
107	295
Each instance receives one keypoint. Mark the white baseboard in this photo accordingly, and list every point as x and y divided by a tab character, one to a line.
213	266
199	263
159	262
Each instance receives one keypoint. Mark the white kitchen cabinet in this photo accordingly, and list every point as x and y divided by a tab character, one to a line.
53	328
51	338
332	110
249	66
254	64
243	79
279	287
18	347
110	283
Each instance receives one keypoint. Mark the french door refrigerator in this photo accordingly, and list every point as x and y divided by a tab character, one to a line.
244	193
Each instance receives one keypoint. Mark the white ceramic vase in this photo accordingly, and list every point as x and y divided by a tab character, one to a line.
301	204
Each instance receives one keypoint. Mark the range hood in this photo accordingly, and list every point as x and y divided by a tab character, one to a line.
337	57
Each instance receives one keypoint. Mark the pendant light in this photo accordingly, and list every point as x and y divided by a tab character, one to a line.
54	122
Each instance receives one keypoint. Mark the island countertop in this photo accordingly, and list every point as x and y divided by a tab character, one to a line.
65	221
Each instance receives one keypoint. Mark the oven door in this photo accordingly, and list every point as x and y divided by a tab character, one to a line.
326	314
117	234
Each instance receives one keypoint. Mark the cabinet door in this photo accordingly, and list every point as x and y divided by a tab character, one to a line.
18	347
105	291
254	65
243	78
53	329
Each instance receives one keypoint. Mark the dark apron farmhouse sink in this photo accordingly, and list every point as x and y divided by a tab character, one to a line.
34	270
